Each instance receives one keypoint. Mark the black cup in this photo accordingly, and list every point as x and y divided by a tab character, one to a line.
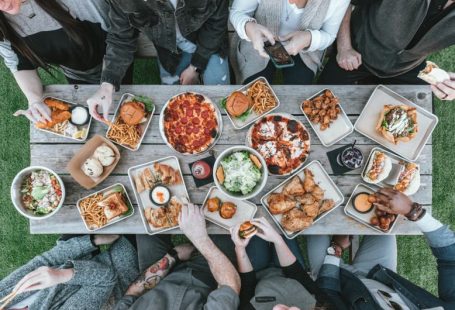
351	158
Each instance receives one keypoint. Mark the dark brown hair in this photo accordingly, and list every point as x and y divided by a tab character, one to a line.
73	28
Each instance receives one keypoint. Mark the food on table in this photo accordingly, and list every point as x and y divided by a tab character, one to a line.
283	142
247	230
190	123
378	167
280	203
262	97
99	209
238	173
362	203
398	123
92	167
160	195
59	113
79	115
166	216
300	202
351	158
381	219
432	74
238	103
41	192
139	184
227	210
148	179
409	179
213	204
201	170
127	128
166	174
323	109
105	155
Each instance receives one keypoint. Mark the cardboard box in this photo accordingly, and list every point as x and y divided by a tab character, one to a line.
74	167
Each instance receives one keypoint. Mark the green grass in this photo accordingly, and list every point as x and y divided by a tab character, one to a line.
18	246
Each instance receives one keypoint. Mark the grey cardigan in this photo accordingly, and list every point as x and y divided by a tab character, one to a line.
95	278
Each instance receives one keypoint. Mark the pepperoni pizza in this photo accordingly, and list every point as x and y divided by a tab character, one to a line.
283	142
190	123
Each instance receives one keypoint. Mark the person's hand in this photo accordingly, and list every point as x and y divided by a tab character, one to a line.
445	90
37	112
192	222
102	98
42	278
343	241
297	41
189	76
267	231
239	243
349	59
105	239
258	34
393	201
184	251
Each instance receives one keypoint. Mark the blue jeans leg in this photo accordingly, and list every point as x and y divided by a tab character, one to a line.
295	249
259	253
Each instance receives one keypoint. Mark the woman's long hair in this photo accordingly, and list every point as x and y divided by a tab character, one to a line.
73	28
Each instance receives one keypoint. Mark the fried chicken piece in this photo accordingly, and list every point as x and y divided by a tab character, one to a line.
57	117
56	104
308	183
295	220
326	205
318	193
311	210
305	199
294	187
280	203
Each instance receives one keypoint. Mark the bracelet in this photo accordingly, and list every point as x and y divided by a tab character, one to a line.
416	213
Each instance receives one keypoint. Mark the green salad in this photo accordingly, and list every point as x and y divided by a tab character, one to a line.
240	173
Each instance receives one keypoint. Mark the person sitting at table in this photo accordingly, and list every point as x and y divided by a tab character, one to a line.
371	282
190	38
74	274
388	41
178	280
41	33
306	28
272	272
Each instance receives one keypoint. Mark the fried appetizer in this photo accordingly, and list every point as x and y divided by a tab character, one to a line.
296	220
398	123
173	211
409	179
280	203
378	168
148	179
113	205
308	182
227	210
213	204
305	199
326	205
311	210
157	217
323	109
139	184
294	187
318	193
167	174
247	230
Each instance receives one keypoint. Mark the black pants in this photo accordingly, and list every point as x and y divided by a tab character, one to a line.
333	74
127	79
299	74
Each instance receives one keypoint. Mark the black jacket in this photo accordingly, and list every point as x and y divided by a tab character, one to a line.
203	22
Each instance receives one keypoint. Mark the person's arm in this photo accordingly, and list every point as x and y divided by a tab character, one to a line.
192	224
241	12
347	57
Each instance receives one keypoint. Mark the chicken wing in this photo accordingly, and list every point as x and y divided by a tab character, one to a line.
305	199
294	187
295	220
326	205
318	193
308	183
280	203
57	117
311	210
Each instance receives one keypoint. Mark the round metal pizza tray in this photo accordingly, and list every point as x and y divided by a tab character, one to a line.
218	116
249	143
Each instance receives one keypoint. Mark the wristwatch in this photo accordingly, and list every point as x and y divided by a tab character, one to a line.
332	250
416	213
172	252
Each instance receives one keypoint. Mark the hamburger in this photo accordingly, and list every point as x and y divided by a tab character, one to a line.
237	104
132	112
227	210
378	168
247	230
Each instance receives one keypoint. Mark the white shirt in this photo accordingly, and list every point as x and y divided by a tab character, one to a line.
243	10
182	43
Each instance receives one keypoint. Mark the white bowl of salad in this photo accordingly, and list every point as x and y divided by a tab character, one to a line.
240	172
37	192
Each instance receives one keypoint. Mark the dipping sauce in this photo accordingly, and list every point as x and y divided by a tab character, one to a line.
362	203
201	170
79	115
351	158
160	195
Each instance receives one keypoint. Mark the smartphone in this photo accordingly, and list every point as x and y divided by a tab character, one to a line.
278	55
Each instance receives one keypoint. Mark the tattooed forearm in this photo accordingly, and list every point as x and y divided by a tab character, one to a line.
151	276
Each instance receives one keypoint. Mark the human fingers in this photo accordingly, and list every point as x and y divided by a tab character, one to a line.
445	88
106	106
268	35
92	108
36	114
387	192
44	111
25	113
438	93
359	59
26	281
287	36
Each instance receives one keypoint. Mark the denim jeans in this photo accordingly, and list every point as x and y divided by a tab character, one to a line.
262	254
216	72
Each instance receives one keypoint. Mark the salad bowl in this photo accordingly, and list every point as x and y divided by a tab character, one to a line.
242	177
48	192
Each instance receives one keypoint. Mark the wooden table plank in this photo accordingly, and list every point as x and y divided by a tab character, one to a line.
55	152
56	156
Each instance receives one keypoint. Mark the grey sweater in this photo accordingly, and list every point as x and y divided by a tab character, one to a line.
95	278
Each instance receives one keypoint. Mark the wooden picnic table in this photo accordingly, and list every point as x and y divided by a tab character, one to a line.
54	152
